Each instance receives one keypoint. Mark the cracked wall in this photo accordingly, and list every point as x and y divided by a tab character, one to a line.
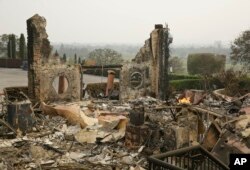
37	43
42	73
49	76
147	74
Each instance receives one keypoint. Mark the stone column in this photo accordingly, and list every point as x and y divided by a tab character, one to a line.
155	40
38	53
63	85
159	61
110	82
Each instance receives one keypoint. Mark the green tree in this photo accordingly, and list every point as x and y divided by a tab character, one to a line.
12	46
240	50
75	59
105	56
22	48
176	64
205	63
79	60
56	54
64	58
4	38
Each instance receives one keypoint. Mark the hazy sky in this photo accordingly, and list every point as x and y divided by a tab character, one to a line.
130	21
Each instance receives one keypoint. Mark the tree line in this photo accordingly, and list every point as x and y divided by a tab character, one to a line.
13	47
206	58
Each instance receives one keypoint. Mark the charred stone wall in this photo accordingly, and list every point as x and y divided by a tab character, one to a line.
148	69
50	82
134	81
38	52
42	73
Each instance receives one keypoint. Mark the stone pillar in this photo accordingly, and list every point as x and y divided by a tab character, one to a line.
110	82
188	128
63	85
137	115
152	62
136	131
159	62
38	53
155	40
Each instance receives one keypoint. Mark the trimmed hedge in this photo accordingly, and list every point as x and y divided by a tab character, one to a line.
245	83
198	84
181	77
179	85
100	72
205	63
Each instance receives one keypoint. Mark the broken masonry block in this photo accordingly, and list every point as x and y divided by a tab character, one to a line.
136	136
182	137
137	115
19	109
110	82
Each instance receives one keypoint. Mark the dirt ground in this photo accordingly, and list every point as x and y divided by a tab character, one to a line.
18	77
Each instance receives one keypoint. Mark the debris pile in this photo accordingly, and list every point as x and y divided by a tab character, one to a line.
63	141
42	127
110	134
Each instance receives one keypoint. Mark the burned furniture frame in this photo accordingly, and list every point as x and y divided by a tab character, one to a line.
190	158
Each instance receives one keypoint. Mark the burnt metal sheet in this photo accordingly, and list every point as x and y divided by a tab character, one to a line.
227	144
212	136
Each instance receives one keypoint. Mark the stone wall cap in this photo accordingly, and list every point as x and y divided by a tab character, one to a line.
111	72
158	26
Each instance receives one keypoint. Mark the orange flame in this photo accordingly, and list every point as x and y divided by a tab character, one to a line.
184	100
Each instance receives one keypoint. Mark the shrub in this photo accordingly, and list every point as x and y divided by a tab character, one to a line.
232	81
181	77
184	84
205	63
244	85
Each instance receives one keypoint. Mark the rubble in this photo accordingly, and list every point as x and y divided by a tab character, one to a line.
151	129
72	113
60	130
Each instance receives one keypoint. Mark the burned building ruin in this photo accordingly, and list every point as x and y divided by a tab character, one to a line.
148	72
142	130
42	74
